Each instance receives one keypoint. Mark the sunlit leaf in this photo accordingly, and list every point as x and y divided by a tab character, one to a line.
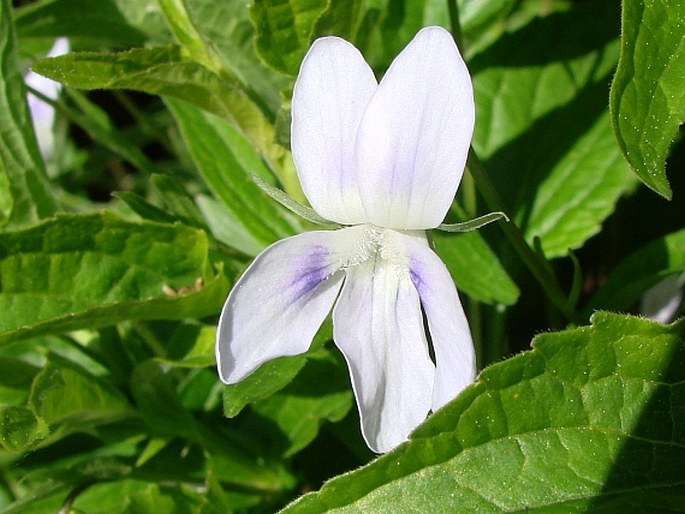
590	419
225	160
93	270
474	267
647	96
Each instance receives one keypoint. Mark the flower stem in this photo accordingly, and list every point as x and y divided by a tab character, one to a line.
532	260
455	24
539	268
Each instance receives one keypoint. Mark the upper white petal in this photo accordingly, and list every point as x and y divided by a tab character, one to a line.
280	301
454	352
330	95
414	137
378	326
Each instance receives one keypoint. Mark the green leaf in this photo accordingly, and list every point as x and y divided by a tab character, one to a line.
24	191
225	161
143	208
158	402
186	34
96	122
168	72
647	96
320	392
228	27
591	419
543	129
105	22
270	377
16	377
225	227
176	199
474	267
380	28
63	394
141	497
191	346
639	272
86	271
20	428
284	30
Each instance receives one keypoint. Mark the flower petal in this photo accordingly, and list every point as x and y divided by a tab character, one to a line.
454	353
329	98
280	302
377	324
414	137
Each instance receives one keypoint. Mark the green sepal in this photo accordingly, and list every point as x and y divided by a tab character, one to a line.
474	224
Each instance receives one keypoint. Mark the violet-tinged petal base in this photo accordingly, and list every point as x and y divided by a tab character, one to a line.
377	324
455	357
279	303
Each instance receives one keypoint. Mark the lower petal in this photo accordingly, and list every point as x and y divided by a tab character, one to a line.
378	326
279	303
454	353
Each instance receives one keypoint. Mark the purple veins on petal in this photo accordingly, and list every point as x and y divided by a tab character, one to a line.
313	268
416	279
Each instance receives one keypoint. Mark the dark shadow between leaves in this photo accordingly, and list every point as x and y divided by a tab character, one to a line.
557	37
648	474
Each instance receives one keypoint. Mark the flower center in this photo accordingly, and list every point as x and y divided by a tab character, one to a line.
374	242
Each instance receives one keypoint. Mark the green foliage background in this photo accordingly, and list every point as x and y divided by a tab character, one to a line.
118	250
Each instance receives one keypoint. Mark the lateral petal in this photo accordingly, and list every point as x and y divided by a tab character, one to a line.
414	137
455	357
279	303
329	97
377	325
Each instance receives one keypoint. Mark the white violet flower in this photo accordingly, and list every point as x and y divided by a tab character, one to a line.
385	159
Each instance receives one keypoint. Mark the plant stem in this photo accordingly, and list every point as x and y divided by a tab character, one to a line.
455	24
513	233
531	259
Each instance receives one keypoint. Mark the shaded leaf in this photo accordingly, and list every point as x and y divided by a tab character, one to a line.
20	428
320	392
270	377
598	408
142	497
63	394
640	271
25	196
228	27
158	402
647	96
542	125
191	346
122	22
166	71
